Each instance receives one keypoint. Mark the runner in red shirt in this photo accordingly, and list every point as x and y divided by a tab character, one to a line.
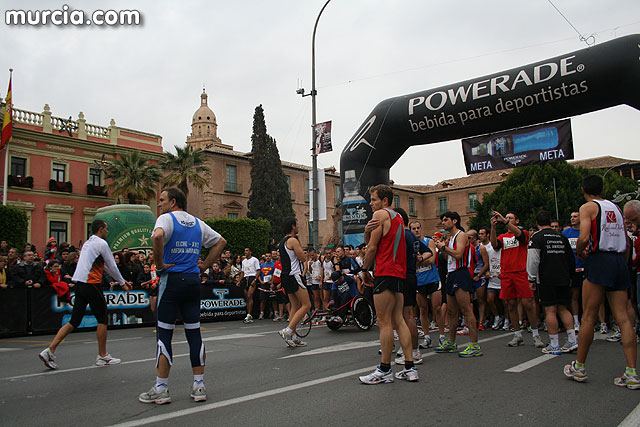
513	274
385	237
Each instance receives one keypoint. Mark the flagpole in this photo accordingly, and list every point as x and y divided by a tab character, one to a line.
9	104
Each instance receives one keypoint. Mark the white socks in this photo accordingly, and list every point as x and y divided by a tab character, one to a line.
161	384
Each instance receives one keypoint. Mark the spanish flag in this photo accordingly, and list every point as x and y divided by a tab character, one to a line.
7	124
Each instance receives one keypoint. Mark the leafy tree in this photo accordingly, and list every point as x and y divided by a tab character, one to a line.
133	178
530	189
269	195
13	226
185	167
242	233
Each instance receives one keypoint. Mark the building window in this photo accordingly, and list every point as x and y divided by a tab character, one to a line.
18	167
442	205
58	230
306	190
89	233
59	173
94	176
231	183
232	215
396	201
473	199
336	189
412	206
288	182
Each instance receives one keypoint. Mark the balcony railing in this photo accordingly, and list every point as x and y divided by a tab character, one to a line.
20	181
65	187
233	187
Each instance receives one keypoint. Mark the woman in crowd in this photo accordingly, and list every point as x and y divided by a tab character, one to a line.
54	279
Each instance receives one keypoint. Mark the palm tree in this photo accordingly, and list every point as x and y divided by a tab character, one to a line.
185	167
133	178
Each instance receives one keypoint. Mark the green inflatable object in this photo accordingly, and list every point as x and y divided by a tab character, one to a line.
130	226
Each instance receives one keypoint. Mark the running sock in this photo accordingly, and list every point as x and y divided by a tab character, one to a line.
571	335
443	337
518	333
161	384
288	330
408	364
198	380
554	340
575	320
385	367
535	332
579	365
630	371
276	314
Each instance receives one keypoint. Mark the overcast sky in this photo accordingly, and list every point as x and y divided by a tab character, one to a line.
150	77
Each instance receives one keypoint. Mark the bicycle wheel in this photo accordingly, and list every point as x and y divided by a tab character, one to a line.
333	325
362	313
303	328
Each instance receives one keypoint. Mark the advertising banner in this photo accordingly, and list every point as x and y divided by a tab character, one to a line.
222	303
323	137
520	147
130	226
13	312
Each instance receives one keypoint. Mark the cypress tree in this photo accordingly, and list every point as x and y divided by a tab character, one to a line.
269	195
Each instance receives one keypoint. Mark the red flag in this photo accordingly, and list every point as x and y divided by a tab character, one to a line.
7	121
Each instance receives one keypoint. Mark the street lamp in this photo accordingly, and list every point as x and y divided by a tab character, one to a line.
613	167
314	156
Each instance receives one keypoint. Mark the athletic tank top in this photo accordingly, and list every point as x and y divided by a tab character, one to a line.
494	260
479	260
183	248
391	256
327	266
427	273
607	229
452	263
290	263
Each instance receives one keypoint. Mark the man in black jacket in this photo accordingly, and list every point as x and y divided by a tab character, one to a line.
27	273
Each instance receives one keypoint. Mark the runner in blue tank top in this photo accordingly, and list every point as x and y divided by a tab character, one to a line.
177	241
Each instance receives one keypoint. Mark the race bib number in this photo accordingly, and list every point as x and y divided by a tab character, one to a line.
510	242
277	272
573	241
424	268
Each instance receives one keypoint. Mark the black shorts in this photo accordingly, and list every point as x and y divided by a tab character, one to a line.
428	289
87	293
382	283
577	278
153	292
550	295
608	269
247	281
292	284
326	286
281	297
410	289
315	286
265	296
459	279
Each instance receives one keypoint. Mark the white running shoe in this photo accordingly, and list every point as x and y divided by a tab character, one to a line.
199	394
107	360
48	358
298	342
248	319
410	375
377	377
420	333
426	343
153	396
286	336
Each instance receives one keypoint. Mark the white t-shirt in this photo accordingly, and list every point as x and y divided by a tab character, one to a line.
316	271
250	267
209	236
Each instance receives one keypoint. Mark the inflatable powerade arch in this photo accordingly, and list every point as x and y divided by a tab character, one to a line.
579	82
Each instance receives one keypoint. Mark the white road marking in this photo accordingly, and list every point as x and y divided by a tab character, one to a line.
267	393
338	347
117	339
10	349
227	337
633	419
242	399
531	363
355	345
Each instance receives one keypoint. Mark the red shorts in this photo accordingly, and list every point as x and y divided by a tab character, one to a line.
515	285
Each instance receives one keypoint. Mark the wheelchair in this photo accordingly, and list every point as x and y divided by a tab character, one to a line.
358	313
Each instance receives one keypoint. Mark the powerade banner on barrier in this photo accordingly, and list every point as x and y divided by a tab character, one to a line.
520	147
48	313
586	80
222	303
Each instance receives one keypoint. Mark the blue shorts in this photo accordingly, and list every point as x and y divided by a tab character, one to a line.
459	279
607	269
178	292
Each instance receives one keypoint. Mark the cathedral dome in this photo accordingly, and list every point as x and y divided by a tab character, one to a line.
204	114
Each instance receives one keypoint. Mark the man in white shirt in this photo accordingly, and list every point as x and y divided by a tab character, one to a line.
94	258
250	268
